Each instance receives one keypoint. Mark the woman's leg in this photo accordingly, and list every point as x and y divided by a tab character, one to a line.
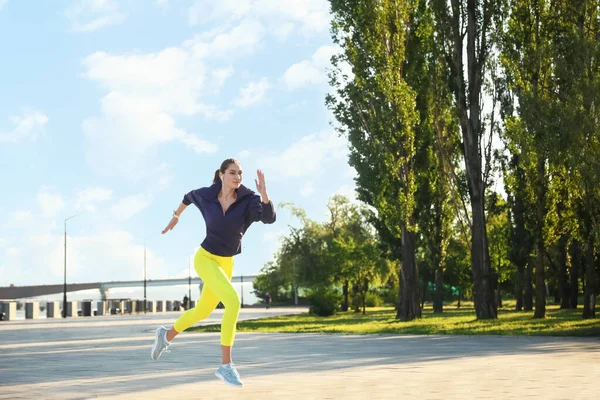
206	304
217	279
216	273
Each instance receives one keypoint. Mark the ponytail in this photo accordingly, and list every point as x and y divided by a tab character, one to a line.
224	165
217	178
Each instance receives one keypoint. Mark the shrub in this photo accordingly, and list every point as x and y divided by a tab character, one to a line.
324	301
389	296
373	299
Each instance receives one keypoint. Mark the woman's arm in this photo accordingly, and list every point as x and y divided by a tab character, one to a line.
175	218
264	210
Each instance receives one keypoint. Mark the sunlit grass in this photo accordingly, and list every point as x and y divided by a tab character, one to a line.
453	321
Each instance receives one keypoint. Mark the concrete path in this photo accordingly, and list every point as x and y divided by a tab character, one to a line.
109	358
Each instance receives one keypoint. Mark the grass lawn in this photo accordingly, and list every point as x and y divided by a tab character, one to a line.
453	321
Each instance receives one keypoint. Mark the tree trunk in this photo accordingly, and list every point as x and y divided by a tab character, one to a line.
365	289
519	236
499	297
438	301
540	281
519	285
467	96
345	291
589	296
528	300
563	277
485	303
574	274
400	295
540	286
409	307
363	294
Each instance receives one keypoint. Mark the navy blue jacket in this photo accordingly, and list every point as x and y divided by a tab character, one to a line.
224	232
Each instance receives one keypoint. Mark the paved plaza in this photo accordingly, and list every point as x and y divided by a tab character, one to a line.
109	358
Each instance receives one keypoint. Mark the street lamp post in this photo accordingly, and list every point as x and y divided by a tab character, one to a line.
294	284
189	280
65	268
145	302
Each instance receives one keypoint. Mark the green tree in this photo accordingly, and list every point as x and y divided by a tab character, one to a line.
458	266
519	214
303	251
436	156
577	61
375	109
343	218
471	24
363	261
272	280
499	239
527	57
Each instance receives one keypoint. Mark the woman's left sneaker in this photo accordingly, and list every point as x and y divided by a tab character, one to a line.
160	344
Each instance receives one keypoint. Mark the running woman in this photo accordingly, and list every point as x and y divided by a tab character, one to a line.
228	208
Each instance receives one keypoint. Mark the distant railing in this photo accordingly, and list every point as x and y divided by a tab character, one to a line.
24	292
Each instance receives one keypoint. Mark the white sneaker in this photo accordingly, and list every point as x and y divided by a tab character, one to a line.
229	374
160	344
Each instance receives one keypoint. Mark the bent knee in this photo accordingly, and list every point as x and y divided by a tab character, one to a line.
233	302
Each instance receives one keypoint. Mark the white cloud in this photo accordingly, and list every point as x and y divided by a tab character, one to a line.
86	199
129	206
309	16
125	260
3	3
323	148
27	126
50	202
199	145
12	252
283	30
253	93
218	77
244	154
21	219
22	216
161	3
88	259
349	191
168	80
307	189
272	240
92	15
310	72
106	253
145	93
163	177
242	39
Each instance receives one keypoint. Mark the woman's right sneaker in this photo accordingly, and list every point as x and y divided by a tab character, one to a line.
229	375
160	343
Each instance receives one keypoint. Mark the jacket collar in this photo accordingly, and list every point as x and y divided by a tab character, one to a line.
213	192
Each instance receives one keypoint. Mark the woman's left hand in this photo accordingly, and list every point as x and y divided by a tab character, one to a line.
261	185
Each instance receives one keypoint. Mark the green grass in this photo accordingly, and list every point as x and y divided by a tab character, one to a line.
453	321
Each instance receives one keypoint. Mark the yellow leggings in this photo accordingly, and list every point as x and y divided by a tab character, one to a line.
216	273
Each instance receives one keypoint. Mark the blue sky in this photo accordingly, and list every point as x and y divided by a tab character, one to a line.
118	108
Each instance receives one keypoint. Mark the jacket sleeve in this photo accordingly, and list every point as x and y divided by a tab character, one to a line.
258	211
195	197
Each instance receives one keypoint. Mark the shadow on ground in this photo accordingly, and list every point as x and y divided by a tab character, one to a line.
119	366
